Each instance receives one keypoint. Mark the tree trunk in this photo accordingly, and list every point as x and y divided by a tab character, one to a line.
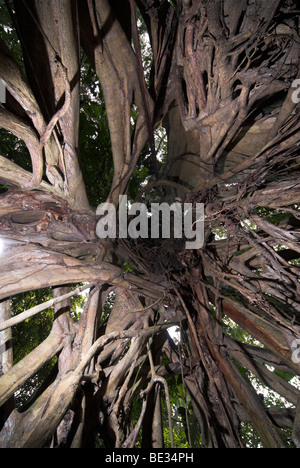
215	68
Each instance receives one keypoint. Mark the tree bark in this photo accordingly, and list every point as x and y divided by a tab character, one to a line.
215	68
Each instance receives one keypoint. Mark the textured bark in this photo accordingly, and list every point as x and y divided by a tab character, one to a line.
216	67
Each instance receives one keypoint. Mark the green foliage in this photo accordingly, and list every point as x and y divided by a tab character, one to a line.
233	330
95	148
8	34
32	332
78	303
182	416
284	375
250	436
10	146
270	398
15	150
128	268
180	441
28	335
107	308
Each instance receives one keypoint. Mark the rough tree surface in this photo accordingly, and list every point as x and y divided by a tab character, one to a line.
220	85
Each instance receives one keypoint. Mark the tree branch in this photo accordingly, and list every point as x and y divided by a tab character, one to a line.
13	379
40	308
15	125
